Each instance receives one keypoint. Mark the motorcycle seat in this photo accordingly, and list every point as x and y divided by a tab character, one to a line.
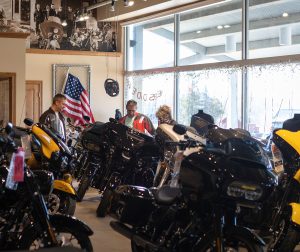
166	195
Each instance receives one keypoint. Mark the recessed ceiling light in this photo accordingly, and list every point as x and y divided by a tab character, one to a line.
226	26
285	14
220	27
198	32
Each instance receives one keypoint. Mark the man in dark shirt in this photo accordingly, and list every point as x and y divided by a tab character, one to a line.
38	18
52	11
53	117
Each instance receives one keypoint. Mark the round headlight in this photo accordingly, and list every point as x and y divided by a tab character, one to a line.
242	190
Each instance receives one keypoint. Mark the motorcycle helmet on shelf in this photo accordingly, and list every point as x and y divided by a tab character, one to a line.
111	87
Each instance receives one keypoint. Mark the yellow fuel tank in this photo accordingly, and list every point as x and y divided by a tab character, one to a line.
47	143
292	138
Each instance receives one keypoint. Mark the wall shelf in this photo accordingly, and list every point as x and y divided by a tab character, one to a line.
70	52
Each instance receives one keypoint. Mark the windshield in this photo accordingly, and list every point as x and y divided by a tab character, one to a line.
237	144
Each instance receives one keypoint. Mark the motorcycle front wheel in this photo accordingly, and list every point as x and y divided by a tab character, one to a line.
67	203
232	242
290	241
83	187
67	236
104	204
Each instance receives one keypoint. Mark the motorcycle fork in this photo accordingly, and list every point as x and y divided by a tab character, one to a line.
40	210
283	204
218	230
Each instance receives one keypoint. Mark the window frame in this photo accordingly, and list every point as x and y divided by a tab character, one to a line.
242	64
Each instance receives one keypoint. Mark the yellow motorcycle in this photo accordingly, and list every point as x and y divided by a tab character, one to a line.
51	153
288	143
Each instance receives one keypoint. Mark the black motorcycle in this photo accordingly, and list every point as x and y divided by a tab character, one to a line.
24	219
118	155
198	211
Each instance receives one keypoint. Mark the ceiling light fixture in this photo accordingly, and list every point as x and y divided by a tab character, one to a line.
220	27
198	32
285	14
227	26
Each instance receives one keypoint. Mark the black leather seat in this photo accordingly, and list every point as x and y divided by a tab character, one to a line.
166	195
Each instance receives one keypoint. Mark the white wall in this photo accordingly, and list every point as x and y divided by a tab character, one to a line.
39	67
12	51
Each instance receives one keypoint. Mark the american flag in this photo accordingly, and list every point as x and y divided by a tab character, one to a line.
77	104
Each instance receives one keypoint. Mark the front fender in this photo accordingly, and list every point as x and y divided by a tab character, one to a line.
61	185
229	231
295	218
70	222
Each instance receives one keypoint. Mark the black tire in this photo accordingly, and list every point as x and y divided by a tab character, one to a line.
290	241
104	204
67	203
83	239
136	248
83	187
230	240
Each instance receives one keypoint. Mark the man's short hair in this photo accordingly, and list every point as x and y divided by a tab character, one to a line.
58	97
131	102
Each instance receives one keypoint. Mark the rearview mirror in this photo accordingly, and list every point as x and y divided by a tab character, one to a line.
28	121
9	128
112	120
180	129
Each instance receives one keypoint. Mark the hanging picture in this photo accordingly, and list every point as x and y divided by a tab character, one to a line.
58	25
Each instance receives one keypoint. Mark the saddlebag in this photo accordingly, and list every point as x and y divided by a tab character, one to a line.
132	204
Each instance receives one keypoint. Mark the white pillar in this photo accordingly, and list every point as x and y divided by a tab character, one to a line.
285	36
230	45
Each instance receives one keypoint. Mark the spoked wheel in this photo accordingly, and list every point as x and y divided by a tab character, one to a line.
67	204
66	237
231	243
53	203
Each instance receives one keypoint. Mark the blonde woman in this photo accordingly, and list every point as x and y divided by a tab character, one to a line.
164	115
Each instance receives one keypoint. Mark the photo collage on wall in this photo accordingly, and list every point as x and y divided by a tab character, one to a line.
58	25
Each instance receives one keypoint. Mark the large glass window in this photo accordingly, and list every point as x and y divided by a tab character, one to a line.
273	97
216	92
274	28
151	44
211	34
150	91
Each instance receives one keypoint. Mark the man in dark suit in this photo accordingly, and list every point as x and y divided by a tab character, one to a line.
52	11
38	16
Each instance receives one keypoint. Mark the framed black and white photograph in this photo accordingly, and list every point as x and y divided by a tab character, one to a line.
58	25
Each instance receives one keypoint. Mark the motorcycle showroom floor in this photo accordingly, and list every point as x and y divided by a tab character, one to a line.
104	238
